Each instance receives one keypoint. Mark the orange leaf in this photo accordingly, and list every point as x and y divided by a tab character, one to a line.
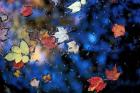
112	74
46	78
118	30
18	65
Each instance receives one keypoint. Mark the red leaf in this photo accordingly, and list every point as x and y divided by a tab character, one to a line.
26	10
48	42
96	83
18	65
112	74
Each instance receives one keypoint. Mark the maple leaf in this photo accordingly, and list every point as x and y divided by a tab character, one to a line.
118	30
112	74
96	83
61	35
46	78
48	42
34	83
73	47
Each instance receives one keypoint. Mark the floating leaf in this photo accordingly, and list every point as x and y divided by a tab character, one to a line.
17	73
38	54
24	48
46	78
72	47
19	53
75	7
112	74
96	83
18	57
118	30
26	10
18	65
34	83
49	42
16	49
83	2
10	57
25	59
61	35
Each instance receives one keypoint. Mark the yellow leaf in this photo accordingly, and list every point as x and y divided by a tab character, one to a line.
17	73
24	48
18	57
16	49
25	59
10	57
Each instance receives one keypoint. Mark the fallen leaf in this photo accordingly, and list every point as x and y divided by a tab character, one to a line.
26	10
118	30
46	78
17	73
18	65
34	83
61	35
112	74
96	83
73	47
48	42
